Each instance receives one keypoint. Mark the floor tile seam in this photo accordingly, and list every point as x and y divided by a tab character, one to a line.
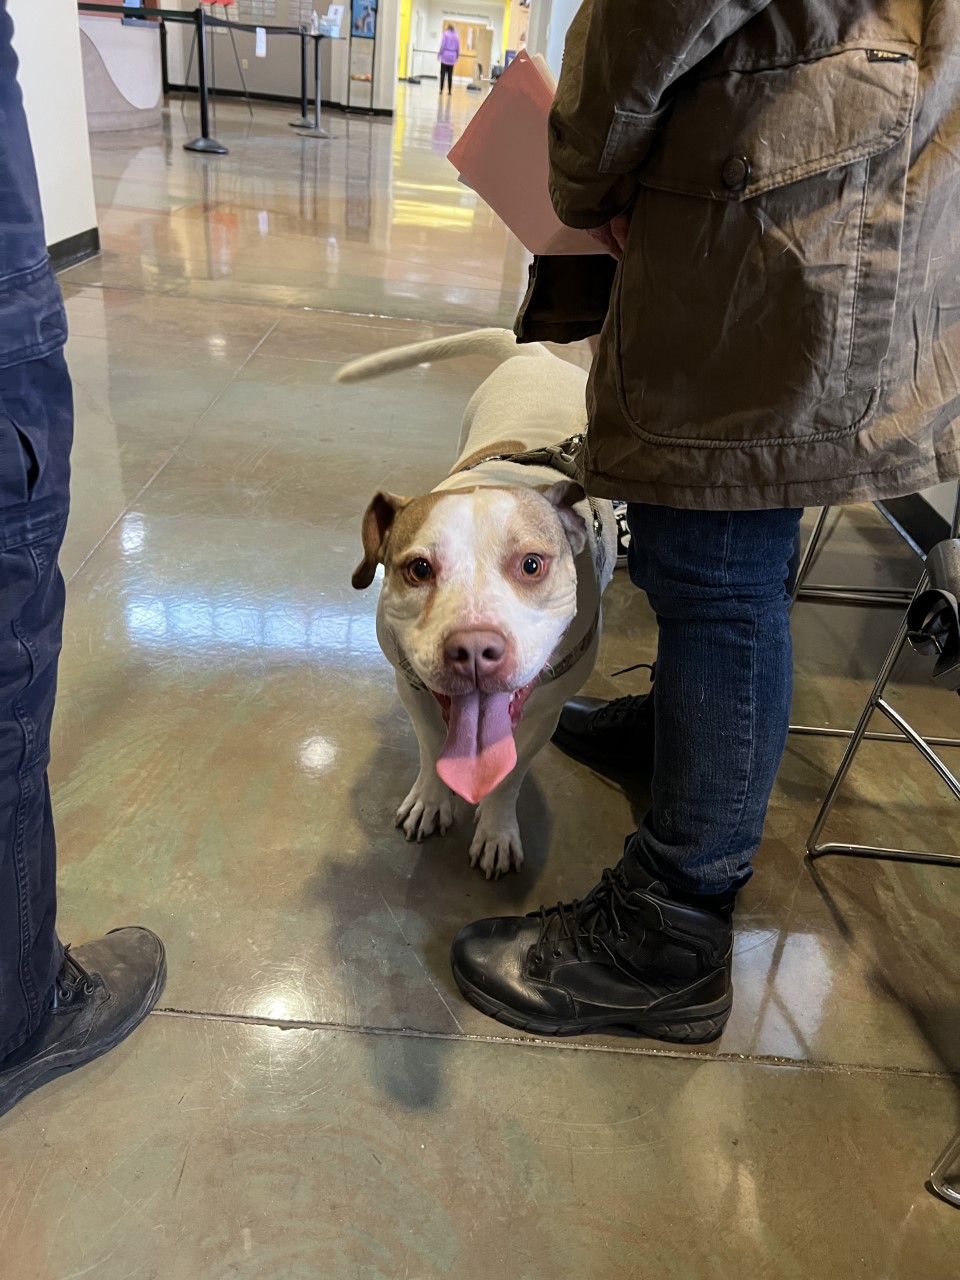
266	306
131	505
561	1045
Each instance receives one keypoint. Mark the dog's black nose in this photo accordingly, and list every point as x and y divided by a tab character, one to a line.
475	653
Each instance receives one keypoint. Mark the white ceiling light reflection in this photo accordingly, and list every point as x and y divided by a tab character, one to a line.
793	976
133	534
317	755
188	621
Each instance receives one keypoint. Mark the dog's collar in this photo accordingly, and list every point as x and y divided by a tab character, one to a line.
552	671
570	660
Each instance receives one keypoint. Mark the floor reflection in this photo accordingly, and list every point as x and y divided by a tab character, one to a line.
373	220
185	620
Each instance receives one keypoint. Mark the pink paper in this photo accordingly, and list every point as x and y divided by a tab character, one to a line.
502	156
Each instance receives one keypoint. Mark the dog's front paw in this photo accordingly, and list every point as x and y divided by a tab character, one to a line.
426	809
496	845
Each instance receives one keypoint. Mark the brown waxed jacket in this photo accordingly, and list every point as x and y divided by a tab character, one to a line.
784	325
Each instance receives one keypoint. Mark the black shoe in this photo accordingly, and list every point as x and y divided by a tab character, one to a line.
105	989
619	733
622	959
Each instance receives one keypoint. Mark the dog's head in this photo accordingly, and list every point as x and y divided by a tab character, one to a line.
479	586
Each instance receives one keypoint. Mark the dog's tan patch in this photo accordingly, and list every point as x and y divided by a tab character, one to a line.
404	535
407	525
534	529
489	451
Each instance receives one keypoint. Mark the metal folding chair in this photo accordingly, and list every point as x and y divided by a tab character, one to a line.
940	1171
940	580
931	626
846	594
841	594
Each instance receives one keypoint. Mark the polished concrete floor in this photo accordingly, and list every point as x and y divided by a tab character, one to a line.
313	1099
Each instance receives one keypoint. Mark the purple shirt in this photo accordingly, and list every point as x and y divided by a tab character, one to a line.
449	48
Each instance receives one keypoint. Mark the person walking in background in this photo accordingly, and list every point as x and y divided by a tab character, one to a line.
448	55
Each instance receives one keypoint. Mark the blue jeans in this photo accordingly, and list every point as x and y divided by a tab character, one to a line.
719	584
36	430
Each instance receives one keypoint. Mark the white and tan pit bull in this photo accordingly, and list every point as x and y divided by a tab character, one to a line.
490	606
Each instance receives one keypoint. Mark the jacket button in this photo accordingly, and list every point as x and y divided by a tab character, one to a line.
735	173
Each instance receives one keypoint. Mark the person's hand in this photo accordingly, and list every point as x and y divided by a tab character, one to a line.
613	234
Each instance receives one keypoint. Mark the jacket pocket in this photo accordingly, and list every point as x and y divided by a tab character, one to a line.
756	298
628	140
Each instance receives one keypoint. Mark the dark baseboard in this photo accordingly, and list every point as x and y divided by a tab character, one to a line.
67	253
284	98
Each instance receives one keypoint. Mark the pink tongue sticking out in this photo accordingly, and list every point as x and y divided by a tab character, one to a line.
480	750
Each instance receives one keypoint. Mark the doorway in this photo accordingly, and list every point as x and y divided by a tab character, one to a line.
476	45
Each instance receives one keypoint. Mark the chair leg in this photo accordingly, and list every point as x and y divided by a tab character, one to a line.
814	849
940	1171
809	551
877	702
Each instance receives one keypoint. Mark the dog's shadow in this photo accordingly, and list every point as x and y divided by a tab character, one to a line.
396	907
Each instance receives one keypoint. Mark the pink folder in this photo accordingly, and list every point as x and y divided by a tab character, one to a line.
502	156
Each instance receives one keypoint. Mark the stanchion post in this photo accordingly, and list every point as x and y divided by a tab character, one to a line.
321	132
304	122
204	143
312	128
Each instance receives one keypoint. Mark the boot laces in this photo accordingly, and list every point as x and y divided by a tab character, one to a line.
73	979
618	711
584	920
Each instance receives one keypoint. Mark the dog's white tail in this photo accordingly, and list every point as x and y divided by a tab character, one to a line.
499	343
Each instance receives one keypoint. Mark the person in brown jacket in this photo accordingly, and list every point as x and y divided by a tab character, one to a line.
780	183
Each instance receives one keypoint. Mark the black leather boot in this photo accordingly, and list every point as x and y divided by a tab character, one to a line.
105	989
626	958
616	734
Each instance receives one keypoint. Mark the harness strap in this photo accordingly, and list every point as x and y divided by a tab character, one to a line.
561	457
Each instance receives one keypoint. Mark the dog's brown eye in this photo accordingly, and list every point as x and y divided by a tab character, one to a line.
419	570
531	566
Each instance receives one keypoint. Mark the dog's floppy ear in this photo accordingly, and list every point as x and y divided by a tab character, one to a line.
563	496
377	522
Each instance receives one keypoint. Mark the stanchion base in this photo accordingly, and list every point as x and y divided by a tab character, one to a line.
314	132
210	146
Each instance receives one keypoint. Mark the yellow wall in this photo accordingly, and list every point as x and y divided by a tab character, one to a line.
406	13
